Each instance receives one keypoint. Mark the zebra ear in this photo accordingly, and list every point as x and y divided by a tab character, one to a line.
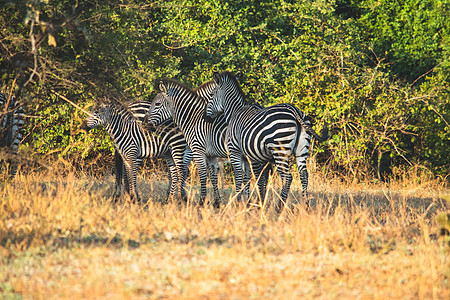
239	76
216	77
162	87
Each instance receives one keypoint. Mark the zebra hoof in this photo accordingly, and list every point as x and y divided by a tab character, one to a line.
136	200
216	203
201	201
279	208
116	196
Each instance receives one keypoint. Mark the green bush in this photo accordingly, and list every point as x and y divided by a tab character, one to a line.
376	71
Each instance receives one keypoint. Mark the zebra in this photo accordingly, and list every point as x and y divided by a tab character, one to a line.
11	127
134	142
206	139
270	134
139	110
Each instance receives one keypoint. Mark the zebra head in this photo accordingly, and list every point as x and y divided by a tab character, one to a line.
160	110
214	108
97	117
227	92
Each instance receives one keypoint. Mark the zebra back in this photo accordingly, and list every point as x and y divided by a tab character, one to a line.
130	133
139	109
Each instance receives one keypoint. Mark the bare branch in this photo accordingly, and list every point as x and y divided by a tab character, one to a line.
70	102
34	52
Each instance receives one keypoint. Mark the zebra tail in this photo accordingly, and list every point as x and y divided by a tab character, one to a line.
308	128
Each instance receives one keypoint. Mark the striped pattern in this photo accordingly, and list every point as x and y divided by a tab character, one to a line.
134	142
139	111
206	139
11	130
262	135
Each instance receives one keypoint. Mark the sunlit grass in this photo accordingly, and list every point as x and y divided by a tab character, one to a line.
63	238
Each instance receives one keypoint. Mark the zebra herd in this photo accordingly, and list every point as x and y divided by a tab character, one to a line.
182	124
203	124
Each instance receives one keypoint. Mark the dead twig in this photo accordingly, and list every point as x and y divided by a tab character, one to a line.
70	102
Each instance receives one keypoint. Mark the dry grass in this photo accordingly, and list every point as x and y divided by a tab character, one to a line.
62	238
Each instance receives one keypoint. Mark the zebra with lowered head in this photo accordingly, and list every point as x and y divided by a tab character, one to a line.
270	134
11	128
139	111
134	142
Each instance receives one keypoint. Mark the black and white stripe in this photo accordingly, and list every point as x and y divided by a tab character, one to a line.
139	111
134	142
262	135
206	139
11	129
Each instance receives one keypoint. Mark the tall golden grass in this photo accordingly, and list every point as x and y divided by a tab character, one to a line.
61	237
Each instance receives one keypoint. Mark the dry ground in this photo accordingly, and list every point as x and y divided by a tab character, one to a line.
62	238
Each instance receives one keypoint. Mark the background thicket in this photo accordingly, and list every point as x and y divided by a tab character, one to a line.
376	71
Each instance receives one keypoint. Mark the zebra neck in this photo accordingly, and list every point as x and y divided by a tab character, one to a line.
204	91
118	126
188	110
232	106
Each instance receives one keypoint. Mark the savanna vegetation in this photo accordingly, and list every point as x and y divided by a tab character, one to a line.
378	72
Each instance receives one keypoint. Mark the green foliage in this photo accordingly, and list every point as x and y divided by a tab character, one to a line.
376	71
411	35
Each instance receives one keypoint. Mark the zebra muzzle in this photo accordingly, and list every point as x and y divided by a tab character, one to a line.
84	126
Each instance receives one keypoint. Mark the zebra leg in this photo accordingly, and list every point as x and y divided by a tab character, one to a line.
257	168
11	162
187	158
236	162
130	183
119	175
12	166
301	154
14	161
262	175
181	161
286	179
16	133
304	180
247	177
131	167
125	179
200	161
172	173
301	163
213	166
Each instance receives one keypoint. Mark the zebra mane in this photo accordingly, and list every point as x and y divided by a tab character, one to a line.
233	78
119	107
204	90
203	85
171	81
